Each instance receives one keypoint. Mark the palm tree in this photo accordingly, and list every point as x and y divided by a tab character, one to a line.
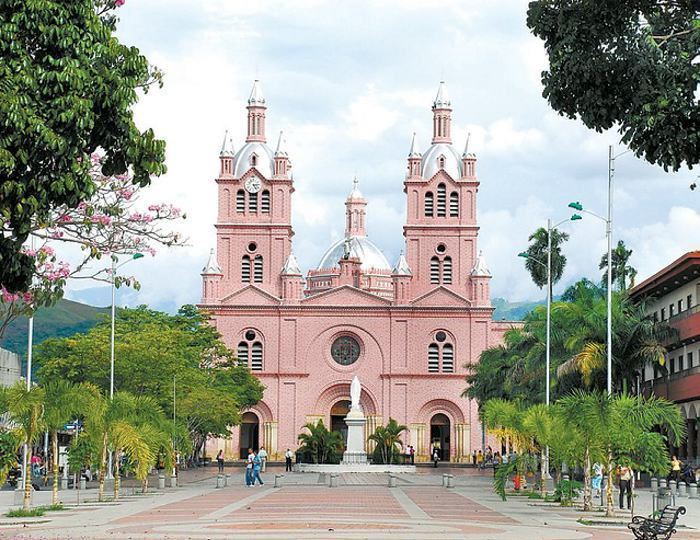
26	411
63	401
621	431
621	271
537	256
388	439
323	445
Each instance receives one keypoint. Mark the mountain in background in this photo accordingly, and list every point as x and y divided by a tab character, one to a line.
64	319
68	317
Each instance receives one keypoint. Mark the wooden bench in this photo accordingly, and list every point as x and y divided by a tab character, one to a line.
661	528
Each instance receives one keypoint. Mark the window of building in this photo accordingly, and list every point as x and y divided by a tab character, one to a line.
258	269
429	204
680	305
253	202
454	204
655	316
256	357
663	314
434	270
243	357
265	202
656	371
250	351
672	365
441	200
253	160
441	162
240	201
245	269
447	271
671	310
689	301
433	358
690	360
680	363
448	359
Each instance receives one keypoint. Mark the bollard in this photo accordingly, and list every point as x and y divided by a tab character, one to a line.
663	483
673	487
682	489
450	480
173	481
392	480
19	494
693	491
654	484
565	477
278	480
227	481
444	480
83	484
161	481
219	481
334	480
64	483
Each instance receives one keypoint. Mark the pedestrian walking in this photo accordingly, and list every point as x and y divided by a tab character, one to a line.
474	458
220	460
288	460
626	476
479	459
407	455
413	454
257	465
262	454
436	457
675	469
249	468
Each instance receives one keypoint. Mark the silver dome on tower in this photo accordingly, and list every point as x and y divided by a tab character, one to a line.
362	248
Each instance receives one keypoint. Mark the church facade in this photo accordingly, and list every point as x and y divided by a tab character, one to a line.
406	330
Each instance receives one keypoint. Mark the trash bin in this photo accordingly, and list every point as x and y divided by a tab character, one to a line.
663	497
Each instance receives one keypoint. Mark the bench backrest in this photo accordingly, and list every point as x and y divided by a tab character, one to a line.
669	516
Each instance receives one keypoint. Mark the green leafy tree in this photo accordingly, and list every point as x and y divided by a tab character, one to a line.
536	262
320	444
9	445
626	64
623	274
388	441
68	88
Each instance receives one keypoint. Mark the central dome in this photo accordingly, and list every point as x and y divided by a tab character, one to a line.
360	247
264	159
431	161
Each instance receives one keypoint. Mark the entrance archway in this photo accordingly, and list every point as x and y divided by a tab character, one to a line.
338	413
440	435
249	434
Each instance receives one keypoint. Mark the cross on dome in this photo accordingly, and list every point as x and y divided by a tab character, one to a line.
256	95
442	99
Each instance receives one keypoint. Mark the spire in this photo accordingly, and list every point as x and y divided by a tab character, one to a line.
413	153
212	266
466	145
442	116
355	193
281	146
256	96
401	267
480	268
227	146
291	266
442	99
256	114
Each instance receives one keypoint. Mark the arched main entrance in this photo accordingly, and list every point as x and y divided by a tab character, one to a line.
249	434
338	413
440	435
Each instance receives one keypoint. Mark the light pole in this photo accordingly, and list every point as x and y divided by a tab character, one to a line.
548	268
115	267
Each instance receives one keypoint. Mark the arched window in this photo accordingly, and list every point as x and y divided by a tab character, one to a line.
265	202
433	358
258	269
434	270
441	162
240	201
245	269
253	160
253	202
243	353
429	204
256	357
441	200
447	270
454	204
448	358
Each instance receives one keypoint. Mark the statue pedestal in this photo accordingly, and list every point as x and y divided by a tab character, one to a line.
355	453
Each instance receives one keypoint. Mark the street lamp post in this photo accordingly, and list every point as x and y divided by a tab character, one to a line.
608	233
115	267
548	268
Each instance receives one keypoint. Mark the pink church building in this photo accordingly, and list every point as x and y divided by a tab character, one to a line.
406	330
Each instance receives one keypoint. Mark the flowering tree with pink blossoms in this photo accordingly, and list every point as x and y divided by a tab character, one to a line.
113	222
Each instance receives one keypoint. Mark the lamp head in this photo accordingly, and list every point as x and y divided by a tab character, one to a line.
523	254
576	206
137	256
576	217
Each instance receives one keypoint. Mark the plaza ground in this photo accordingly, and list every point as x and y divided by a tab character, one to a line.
362	506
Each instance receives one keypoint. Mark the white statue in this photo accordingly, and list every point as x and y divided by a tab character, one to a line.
355	390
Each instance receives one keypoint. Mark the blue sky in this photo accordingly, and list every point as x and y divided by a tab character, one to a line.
349	82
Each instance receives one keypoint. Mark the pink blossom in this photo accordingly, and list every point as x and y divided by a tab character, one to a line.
96	158
119	3
47	250
151	251
7	296
28	297
65	218
30	252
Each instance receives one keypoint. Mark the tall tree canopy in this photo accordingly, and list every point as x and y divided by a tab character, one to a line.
630	64
536	262
68	86
623	274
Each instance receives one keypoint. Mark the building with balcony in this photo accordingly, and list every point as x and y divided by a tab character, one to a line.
672	295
